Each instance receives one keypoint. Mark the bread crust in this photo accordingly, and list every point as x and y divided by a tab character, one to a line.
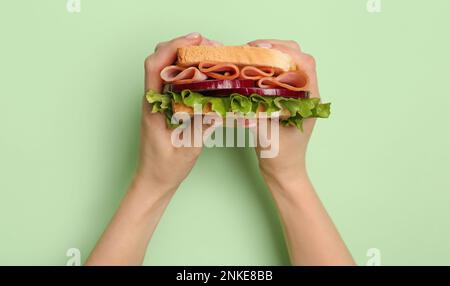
238	55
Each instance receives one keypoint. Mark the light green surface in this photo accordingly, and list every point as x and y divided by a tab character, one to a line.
70	91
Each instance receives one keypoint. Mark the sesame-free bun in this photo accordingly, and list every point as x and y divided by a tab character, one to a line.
238	55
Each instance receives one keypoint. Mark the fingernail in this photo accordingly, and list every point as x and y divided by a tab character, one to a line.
264	45
193	35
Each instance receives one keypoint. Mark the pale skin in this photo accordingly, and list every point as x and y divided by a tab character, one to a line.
311	236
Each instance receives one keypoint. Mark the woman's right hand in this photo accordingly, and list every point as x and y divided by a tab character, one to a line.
311	236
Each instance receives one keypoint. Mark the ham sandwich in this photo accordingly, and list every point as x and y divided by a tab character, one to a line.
238	79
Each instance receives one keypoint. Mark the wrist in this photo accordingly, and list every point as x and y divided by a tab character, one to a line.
149	178
283	175
288	185
151	191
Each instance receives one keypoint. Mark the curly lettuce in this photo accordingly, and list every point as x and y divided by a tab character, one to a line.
299	108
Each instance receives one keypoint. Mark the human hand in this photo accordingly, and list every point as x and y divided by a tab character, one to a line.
160	161
290	162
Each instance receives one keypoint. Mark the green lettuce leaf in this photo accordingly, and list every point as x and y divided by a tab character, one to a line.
190	98
299	108
322	110
296	120
267	102
160	102
221	105
240	103
303	107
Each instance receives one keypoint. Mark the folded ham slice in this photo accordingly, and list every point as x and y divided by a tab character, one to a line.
256	73
221	71
180	75
295	81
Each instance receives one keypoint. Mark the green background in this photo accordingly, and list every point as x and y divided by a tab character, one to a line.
71	86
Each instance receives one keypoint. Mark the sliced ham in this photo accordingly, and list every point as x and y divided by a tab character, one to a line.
295	81
180	75
256	73
221	71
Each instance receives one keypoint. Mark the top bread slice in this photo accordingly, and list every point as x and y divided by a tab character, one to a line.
238	55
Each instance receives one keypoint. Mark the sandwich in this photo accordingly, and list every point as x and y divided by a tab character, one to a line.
237	80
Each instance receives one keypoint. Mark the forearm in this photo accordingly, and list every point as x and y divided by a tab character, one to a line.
125	240
311	236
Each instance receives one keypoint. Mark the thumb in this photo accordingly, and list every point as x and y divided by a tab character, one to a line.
165	55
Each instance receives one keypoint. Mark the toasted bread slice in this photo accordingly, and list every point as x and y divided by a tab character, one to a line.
238	55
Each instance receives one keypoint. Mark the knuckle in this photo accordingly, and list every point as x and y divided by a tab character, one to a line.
294	43
310	60
173	42
159	45
149	62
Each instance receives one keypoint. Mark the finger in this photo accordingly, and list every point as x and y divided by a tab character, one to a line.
159	45
216	43
289	47
266	43
281	46
165	55
209	42
205	41
167	52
